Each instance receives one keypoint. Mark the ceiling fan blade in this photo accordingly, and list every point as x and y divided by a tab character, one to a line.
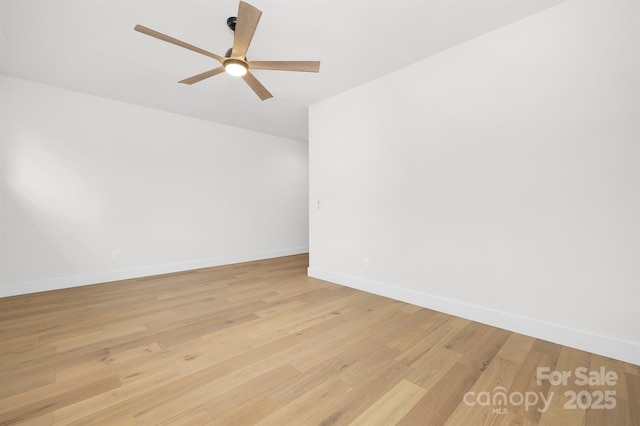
248	18
304	66
257	87
169	39
202	76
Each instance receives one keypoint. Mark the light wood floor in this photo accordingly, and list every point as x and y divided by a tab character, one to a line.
261	343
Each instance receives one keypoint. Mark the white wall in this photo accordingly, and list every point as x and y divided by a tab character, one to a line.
85	176
497	181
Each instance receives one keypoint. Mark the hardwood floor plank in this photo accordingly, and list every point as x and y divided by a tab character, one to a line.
633	389
442	399
26	383
393	405
632	369
311	406
433	366
250	412
414	337
365	390
228	405
497	377
436	337
196	416
28	410
516	348
103	407
482	352
464	340
561	409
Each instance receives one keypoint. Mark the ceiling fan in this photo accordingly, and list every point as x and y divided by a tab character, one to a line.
235	61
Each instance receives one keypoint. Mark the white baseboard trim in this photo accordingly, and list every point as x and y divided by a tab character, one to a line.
36	286
602	345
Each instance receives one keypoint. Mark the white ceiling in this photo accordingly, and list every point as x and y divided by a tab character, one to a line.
90	46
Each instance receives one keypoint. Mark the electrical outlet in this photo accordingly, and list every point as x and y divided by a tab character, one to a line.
115	255
365	263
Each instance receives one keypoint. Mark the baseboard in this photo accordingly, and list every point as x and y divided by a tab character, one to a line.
36	286
602	345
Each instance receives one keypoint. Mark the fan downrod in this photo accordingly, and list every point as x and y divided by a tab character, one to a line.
231	23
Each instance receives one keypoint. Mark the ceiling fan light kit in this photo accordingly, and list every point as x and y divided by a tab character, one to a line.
235	62
235	67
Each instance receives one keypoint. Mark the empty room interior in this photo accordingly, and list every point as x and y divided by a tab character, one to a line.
363	213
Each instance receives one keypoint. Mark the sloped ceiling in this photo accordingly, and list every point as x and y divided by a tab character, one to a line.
90	46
